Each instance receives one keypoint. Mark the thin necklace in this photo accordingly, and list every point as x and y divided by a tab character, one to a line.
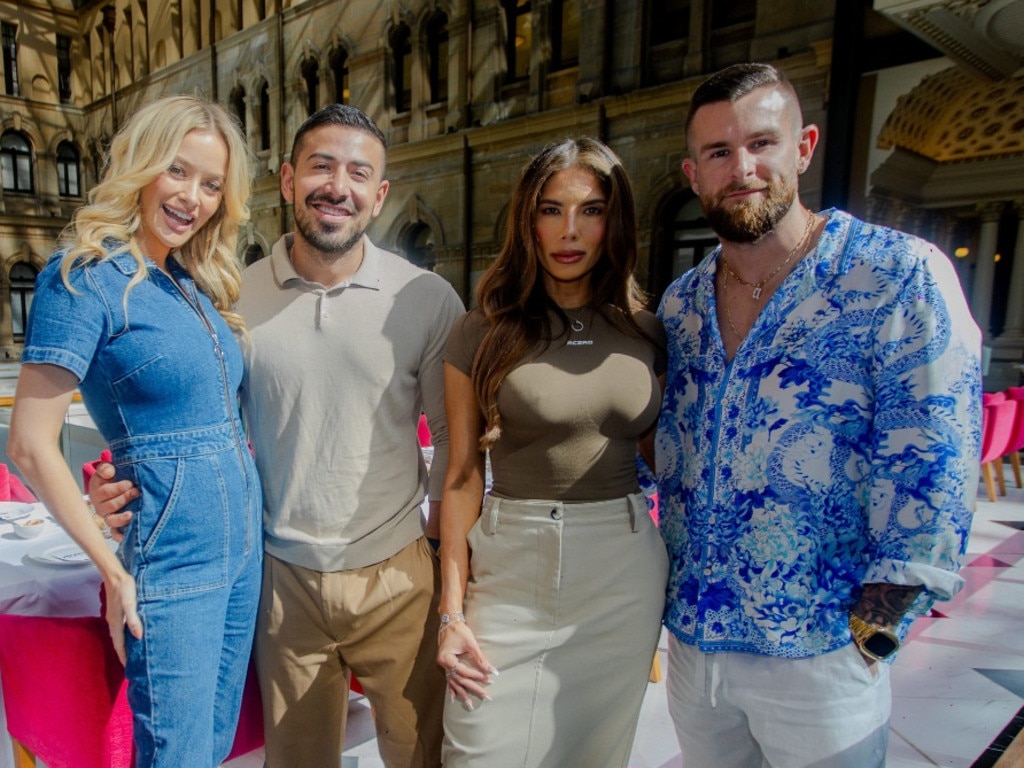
576	323
725	304
759	286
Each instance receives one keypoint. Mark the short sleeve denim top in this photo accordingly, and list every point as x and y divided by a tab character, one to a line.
150	366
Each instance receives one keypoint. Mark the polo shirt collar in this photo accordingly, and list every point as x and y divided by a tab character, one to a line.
367	276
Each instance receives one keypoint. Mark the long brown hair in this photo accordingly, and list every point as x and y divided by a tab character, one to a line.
511	293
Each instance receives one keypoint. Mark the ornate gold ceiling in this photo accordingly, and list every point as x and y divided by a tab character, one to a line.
953	116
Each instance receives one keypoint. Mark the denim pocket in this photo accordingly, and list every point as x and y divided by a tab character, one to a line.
181	530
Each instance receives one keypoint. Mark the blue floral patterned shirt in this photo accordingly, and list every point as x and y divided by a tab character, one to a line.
839	447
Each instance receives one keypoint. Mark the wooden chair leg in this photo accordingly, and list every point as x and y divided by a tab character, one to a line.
1000	477
1015	463
655	669
990	486
23	758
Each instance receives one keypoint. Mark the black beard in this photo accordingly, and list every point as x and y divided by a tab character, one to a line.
322	237
323	241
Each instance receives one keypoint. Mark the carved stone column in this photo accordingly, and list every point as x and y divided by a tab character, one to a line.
984	266
1014	326
1008	348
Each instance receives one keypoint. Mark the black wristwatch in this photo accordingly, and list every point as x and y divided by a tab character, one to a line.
874	641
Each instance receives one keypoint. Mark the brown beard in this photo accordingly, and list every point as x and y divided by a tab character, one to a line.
749	221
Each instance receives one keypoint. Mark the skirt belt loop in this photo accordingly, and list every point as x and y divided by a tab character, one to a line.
489	523
637	508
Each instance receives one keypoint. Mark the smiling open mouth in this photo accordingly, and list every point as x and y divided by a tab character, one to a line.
183	218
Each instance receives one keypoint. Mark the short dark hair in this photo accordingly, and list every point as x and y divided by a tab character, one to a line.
337	114
735	82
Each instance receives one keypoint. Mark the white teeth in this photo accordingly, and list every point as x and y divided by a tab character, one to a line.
182	217
331	210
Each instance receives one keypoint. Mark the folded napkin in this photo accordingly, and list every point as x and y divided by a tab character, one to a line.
12	489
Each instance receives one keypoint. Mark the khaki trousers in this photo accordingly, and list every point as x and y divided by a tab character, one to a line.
379	623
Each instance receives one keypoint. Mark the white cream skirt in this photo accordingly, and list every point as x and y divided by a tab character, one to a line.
566	601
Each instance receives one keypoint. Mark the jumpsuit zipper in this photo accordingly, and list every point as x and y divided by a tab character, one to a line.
197	308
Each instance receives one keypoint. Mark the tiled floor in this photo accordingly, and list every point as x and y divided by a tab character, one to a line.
958	683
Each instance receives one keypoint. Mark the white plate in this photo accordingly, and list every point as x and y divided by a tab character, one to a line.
14	510
60	554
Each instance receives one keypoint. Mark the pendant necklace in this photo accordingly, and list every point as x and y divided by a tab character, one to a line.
759	286
576	325
575	318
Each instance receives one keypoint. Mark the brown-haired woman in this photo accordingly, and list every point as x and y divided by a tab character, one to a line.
558	580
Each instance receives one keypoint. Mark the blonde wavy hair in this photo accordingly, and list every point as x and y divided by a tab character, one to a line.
142	150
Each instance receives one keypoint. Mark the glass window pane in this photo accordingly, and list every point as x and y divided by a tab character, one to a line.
570	42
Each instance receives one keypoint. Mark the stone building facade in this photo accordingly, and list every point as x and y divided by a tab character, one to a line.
466	91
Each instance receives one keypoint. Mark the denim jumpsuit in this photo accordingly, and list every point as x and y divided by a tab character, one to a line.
160	372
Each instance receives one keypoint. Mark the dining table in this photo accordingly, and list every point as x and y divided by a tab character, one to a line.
49	576
37	578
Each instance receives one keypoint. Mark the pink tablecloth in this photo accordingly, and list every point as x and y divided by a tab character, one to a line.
63	686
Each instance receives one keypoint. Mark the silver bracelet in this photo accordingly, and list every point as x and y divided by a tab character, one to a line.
448	620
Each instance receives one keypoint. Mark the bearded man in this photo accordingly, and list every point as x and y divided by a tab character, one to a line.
817	453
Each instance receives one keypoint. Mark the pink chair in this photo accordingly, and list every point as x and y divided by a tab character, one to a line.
64	692
996	429
89	468
1017	439
67	700
987	398
423	432
12	489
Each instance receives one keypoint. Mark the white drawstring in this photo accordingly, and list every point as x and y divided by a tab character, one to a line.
716	678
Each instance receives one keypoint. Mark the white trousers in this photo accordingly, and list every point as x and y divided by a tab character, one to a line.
741	710
565	600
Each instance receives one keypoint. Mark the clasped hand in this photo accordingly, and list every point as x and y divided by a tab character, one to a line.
108	498
466	668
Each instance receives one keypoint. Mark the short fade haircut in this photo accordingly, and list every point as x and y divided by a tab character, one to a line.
735	82
337	114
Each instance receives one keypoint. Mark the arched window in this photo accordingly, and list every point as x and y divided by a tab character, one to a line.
238	106
253	253
681	238
311	74
265	116
23	281
565	33
401	50
68	173
437	53
519	40
339	66
416	242
16	162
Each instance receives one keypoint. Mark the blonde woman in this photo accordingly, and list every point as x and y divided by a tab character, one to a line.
135	313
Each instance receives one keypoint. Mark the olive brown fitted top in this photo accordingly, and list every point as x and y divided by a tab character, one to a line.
571	414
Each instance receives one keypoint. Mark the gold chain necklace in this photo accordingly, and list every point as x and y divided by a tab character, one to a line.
759	286
725	305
